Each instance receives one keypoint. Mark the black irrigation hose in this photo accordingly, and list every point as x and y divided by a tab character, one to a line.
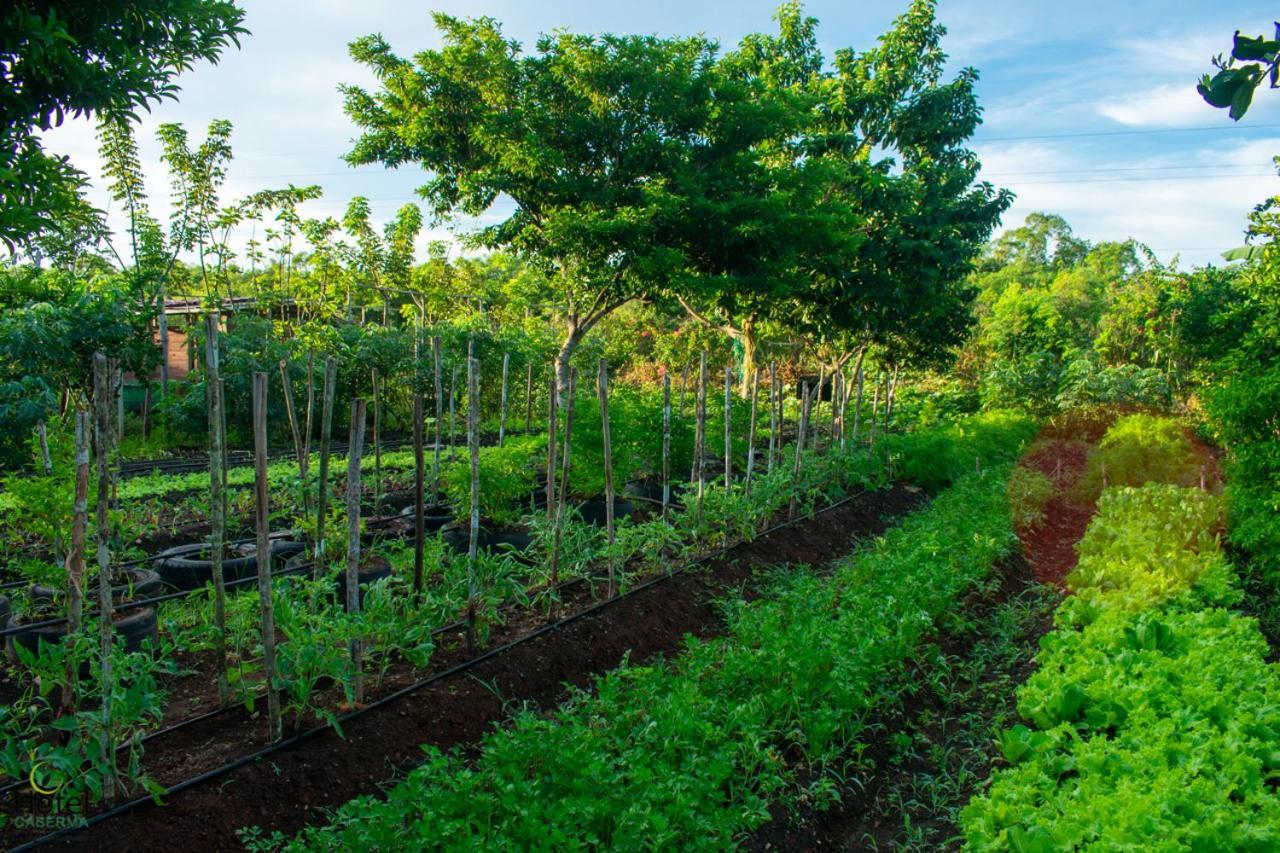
224	769
241	458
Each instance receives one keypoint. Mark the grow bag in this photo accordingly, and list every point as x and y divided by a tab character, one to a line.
139	583
135	626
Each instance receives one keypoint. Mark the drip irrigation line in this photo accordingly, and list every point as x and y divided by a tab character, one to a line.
237	763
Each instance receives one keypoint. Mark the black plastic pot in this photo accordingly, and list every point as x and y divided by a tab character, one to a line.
139	583
135	626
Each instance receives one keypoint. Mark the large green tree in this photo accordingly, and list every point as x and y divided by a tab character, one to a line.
80	58
595	154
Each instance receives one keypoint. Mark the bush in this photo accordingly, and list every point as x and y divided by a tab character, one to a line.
935	457
1140	449
1028	492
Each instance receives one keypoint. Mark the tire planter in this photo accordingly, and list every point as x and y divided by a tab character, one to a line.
373	569
134	627
594	511
458	538
433	517
141	583
185	567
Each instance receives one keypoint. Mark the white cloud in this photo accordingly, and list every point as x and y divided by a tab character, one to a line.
1161	106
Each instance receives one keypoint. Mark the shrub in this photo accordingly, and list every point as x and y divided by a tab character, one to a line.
1028	492
1140	449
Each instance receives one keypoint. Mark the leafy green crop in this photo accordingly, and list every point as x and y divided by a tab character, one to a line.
691	752
1154	718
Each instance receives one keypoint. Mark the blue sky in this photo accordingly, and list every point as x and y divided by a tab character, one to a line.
1090	106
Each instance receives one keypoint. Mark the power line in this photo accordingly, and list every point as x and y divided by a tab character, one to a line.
1215	129
1134	169
1165	178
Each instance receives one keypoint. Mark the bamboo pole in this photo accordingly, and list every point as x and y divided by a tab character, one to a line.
354	445
217	499
610	528
666	443
566	464
326	439
102	399
419	489
751	429
377	447
528	399
262	521
502	401
774	442
806	402
287	385
75	559
473	447
551	448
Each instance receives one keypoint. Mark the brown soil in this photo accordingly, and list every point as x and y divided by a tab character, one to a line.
295	784
1050	546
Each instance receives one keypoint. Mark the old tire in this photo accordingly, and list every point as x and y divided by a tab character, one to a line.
135	628
141	583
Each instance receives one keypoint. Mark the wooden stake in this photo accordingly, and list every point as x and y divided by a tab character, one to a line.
287	385
610	529
566	460
528	398
473	446
453	385
857	406
666	443
816	405
217	498
437	356
75	560
377	448
728	428
304	463
700	433
684	384
774	443
751	429
354	447
551	448
419	489
326	438
806	403
502	406
262	521
102	399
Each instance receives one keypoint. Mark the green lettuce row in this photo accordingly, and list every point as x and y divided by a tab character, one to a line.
1154	716
689	753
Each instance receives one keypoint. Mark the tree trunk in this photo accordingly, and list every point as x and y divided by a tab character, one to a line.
354	445
217	499
563	358
75	560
